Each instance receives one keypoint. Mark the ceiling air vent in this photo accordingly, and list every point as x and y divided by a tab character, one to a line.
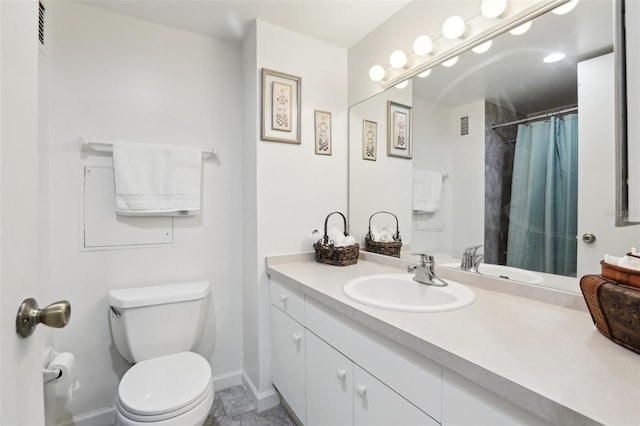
41	24
464	125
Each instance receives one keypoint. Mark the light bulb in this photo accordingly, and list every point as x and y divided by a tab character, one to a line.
402	85
493	8
398	59
554	57
521	29
565	8
424	74
423	45
451	62
483	47
454	27
377	73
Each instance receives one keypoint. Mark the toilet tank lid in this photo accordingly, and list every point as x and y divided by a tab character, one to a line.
158	294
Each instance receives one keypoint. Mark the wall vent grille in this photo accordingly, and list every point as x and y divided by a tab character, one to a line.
464	125
41	24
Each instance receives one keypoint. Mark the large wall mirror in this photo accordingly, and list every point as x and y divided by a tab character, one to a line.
523	145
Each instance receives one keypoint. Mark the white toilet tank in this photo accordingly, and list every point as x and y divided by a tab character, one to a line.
148	322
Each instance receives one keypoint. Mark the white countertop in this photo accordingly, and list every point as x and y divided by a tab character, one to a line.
535	347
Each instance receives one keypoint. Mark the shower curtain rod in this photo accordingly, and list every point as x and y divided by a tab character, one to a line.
535	117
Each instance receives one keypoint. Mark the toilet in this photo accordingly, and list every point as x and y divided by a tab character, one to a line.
155	328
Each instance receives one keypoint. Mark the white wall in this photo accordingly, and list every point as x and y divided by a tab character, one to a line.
433	151
119	78
383	184
294	188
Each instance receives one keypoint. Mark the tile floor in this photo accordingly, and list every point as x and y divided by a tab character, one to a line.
233	407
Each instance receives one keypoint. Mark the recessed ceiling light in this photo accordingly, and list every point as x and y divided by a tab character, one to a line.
483	47
402	85
565	8
398	59
554	57
451	62
493	8
454	27
424	74
521	29
423	45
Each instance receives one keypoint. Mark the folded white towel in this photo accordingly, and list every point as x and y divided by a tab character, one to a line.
156	180
427	191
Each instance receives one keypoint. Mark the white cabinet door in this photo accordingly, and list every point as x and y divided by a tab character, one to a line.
288	359
465	403
375	404
329	385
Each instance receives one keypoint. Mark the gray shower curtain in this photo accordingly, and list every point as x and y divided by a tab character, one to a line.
544	197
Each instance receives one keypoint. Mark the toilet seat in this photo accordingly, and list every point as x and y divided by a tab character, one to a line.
165	387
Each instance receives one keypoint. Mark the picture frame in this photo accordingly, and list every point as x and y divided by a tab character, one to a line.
399	130
281	107
322	120
369	140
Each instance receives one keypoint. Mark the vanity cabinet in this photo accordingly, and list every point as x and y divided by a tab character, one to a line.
340	392
333	371
288	354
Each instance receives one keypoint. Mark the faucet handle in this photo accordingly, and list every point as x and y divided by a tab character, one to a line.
425	259
472	249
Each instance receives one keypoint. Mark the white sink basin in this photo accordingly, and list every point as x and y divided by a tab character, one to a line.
501	271
398	292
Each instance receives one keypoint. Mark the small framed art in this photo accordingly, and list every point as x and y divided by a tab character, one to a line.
281	103
369	140
323	132
399	123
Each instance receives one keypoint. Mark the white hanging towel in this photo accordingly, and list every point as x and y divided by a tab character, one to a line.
156	180
427	191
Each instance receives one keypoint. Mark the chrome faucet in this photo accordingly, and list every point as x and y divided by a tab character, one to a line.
424	272
471	260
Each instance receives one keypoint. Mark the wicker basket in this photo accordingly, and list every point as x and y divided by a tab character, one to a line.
391	248
328	253
614	308
621	275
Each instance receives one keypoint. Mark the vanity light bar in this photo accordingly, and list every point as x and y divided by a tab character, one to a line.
494	31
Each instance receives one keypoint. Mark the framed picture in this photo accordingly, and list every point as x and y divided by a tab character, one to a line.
281	103
399	123
369	140
323	132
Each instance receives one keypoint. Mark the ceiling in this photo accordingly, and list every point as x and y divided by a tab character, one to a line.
512	73
338	22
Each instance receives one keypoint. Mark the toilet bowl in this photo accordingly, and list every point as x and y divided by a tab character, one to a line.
155	328
175	389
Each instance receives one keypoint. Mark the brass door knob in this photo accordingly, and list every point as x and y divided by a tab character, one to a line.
54	315
588	238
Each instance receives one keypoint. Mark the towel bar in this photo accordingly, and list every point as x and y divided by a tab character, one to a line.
108	147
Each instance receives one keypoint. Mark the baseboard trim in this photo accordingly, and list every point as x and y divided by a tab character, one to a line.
227	380
261	400
102	417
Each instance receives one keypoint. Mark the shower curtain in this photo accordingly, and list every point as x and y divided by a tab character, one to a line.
544	197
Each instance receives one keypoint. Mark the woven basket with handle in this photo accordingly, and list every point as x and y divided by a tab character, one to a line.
389	248
327	252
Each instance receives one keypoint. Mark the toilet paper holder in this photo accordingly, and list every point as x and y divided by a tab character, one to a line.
29	315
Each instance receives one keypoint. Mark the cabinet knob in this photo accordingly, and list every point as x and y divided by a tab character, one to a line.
361	390
283	298
341	374
296	338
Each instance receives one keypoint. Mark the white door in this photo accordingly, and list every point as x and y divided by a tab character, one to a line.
596	167
376	404
21	394
329	385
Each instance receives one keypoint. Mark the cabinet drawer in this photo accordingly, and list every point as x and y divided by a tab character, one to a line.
288	300
413	376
